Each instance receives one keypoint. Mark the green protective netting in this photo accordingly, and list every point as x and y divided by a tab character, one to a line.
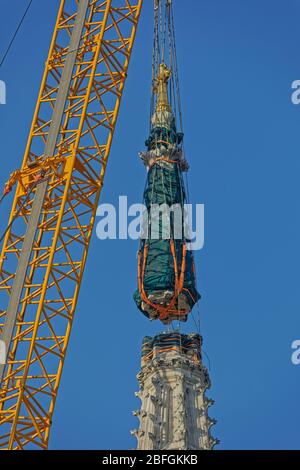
165	186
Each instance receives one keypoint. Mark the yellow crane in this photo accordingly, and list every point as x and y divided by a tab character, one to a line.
57	190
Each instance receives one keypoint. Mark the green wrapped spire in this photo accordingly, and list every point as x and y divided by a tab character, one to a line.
166	278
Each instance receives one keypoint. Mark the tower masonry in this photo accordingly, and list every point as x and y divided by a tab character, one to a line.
173	382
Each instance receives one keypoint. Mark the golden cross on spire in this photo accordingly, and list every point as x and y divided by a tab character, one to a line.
160	88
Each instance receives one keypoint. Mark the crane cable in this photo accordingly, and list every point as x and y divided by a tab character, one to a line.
1	63
15	33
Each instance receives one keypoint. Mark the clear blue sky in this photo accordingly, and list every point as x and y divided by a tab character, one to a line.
237	62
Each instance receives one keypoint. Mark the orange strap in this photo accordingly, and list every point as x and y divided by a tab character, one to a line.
164	312
163	159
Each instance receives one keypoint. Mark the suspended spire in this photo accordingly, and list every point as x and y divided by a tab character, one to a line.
166	275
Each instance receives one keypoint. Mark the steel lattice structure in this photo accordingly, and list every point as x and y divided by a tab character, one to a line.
62	187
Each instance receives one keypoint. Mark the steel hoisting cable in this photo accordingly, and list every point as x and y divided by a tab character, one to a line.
198	322
15	33
1	63
177	101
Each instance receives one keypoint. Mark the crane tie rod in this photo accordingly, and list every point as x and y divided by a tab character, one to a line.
15	33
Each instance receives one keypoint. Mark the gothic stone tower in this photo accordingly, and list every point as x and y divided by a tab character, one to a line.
173	382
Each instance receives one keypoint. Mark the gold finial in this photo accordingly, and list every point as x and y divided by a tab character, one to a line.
160	88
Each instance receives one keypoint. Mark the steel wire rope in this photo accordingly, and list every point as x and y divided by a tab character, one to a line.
174	97
15	34
174	49
198	325
5	55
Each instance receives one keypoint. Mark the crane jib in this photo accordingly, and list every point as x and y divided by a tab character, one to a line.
41	188
43	257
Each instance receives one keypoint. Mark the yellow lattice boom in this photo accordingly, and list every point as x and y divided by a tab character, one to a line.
74	177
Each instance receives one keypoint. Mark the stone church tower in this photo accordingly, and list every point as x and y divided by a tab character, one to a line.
173	382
